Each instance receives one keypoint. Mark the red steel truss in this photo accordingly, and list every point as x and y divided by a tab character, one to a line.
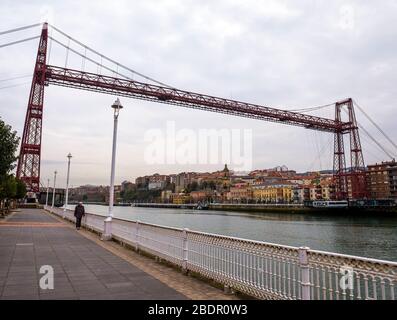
29	162
134	89
28	169
350	182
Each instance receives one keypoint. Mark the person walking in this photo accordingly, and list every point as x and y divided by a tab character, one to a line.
79	212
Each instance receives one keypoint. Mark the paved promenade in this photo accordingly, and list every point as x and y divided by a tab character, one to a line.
83	269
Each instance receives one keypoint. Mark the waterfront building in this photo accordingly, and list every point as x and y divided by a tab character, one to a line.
300	194
240	192
259	173
172	178
382	180
181	182
316	192
159	178
225	173
180	198
323	190
142	182
273	193
156	185
166	196
201	195
152	182
243	179
89	193
328	190
127	185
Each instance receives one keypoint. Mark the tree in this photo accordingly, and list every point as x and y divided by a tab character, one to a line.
192	187
21	189
8	187
8	146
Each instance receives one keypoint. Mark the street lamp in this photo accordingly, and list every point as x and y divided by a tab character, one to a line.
116	106
48	188
53	191
69	156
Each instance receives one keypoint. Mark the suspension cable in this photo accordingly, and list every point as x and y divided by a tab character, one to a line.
18	41
109	59
15	85
85	47
377	142
20	29
312	108
15	78
318	157
375	124
89	59
371	137
370	142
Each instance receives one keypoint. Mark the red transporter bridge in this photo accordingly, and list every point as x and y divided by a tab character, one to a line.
350	181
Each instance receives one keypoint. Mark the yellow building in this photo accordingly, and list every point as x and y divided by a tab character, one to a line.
278	193
180	198
325	190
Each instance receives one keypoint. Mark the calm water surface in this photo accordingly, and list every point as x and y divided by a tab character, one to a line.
374	237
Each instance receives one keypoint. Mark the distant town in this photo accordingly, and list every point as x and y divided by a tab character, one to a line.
275	185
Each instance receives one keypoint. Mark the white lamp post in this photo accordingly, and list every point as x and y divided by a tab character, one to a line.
108	232
53	191
48	188
69	156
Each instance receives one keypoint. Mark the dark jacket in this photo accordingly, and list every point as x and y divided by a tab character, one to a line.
79	211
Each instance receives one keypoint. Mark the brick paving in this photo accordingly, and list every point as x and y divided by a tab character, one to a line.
189	286
83	269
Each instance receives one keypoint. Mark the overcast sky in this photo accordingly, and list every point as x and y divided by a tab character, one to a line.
284	54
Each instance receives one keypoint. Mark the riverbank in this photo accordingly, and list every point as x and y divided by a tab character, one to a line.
266	208
258	208
278	208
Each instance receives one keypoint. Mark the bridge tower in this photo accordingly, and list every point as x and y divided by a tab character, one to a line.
350	182
28	169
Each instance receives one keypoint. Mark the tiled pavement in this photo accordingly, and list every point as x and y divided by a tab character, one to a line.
30	239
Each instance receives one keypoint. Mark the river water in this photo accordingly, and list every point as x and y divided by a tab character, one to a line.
373	237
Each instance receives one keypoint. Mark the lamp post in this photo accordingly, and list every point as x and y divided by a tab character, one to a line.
48	188
53	191
108	232
69	156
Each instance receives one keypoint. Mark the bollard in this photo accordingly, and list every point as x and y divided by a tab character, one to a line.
305	273
107	230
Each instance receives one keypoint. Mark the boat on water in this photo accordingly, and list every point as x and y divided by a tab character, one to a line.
330	204
202	206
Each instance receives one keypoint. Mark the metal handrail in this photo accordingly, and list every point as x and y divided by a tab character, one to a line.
260	269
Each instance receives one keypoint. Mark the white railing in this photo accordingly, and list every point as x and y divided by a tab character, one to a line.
259	269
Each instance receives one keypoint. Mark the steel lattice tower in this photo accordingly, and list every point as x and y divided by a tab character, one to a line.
350	182
28	169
